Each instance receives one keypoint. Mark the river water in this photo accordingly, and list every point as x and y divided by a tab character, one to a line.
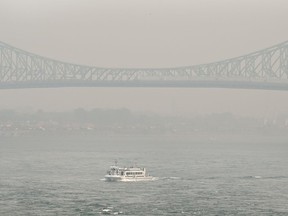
63	175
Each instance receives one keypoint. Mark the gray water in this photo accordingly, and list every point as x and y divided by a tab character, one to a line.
42	175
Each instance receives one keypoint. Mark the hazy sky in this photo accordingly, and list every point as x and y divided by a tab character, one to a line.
145	33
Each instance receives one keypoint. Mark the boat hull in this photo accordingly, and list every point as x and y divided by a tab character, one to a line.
115	178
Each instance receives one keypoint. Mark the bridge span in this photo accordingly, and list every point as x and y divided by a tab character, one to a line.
264	69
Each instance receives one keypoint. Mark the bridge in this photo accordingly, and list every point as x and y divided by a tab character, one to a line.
264	69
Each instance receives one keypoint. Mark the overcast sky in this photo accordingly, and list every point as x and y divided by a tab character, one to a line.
145	33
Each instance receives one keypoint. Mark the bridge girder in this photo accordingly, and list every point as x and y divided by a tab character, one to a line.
265	69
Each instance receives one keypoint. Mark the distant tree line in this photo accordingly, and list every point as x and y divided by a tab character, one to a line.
126	118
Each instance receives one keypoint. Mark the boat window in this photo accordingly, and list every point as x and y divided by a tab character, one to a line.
134	173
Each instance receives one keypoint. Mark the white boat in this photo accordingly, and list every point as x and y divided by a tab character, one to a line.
127	174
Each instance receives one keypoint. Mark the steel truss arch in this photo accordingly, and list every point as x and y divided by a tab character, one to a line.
264	69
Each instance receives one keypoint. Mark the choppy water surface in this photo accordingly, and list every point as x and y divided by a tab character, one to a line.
62	176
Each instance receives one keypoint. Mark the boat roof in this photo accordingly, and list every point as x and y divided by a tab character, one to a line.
126	168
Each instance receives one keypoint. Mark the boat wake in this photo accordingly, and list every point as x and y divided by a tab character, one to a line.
110	210
132	180
138	179
264	177
172	178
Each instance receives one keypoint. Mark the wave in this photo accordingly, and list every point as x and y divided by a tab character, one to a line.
264	177
171	178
